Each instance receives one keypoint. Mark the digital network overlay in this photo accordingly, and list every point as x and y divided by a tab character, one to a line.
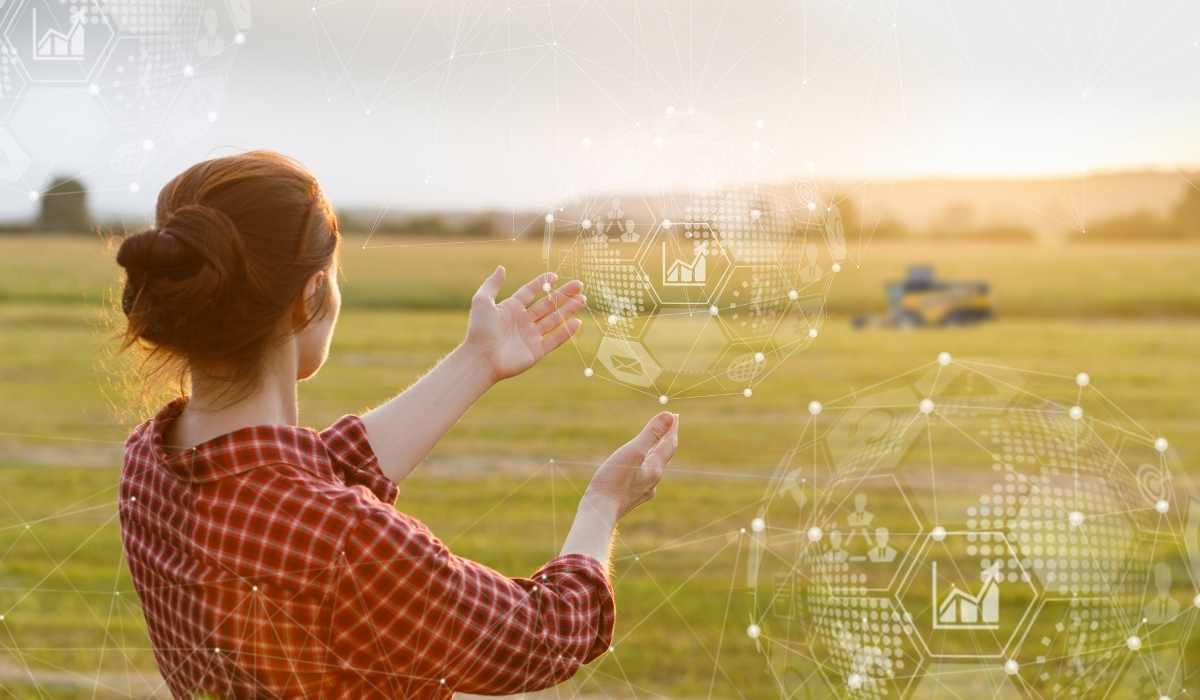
968	528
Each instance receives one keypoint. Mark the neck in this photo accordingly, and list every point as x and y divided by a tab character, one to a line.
272	402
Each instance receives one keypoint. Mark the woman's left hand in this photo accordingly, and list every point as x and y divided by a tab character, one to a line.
511	336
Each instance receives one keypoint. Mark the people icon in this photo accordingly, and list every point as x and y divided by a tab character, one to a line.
616	227
861	517
1163	608
881	552
836	554
210	44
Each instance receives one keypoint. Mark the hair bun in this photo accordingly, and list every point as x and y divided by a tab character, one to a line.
181	267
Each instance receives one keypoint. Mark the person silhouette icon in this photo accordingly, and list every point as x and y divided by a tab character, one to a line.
881	552
1163	608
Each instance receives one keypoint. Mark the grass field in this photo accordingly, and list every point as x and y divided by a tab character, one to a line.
501	487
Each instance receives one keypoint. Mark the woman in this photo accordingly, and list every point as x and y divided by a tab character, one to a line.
269	559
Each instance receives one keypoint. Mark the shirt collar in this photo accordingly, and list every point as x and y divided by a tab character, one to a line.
238	451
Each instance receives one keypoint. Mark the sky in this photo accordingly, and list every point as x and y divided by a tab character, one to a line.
428	104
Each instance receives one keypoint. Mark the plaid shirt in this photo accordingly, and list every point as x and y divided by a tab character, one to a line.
270	562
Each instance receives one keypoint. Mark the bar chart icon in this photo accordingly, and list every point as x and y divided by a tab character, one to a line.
54	45
961	610
684	273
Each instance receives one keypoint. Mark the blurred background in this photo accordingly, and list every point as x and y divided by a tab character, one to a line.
1048	152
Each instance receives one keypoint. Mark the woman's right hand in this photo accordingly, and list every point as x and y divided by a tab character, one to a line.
629	476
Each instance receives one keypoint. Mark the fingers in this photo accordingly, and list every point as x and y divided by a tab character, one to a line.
663	450
655	429
552	340
555	299
490	287
556	318
531	289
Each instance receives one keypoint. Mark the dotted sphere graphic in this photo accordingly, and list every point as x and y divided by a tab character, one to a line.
1001	533
703	294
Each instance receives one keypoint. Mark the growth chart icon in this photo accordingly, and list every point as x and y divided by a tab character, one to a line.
689	273
55	45
966	611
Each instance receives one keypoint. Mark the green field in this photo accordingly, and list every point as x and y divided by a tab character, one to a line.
501	487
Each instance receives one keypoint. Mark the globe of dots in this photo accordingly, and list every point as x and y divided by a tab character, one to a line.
970	519
699	295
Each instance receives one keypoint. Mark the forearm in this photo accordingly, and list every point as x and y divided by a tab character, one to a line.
593	529
404	430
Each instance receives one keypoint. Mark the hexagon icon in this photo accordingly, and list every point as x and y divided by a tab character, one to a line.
753	301
685	342
870	530
628	362
967	595
685	262
59	43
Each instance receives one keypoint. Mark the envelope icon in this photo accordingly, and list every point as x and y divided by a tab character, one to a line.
628	361
627	365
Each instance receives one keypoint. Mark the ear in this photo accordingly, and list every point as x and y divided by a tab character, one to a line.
310	298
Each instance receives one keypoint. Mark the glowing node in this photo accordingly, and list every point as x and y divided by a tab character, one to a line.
814	407
1161	444
758	525
189	71
812	206
1076	412
546	287
1011	667
926	406
1162	506
813	332
147	145
658	142
663	399
753	631
134	187
713	310
550	218
586	224
212	117
586	142
1075	518
93	89
837	267
758	123
1134	643
793	294
612	319
670	110
814	534
755	214
34	195
1196	601
854	681
239	38
747	392
759	357
666	223
944	358
938	533
1082	379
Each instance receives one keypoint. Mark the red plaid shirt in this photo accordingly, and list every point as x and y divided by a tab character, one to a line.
270	562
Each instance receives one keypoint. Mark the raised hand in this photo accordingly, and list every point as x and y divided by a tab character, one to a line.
628	478
512	335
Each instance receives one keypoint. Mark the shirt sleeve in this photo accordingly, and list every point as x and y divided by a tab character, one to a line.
416	614
348	447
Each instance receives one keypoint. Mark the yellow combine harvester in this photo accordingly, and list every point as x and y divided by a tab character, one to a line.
923	300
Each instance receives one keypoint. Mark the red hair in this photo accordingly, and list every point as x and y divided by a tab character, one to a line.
218	278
